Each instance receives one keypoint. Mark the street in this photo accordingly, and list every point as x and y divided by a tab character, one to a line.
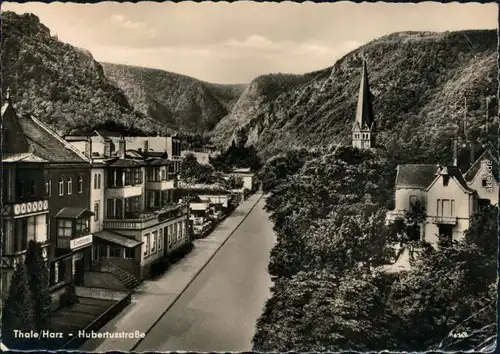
219	309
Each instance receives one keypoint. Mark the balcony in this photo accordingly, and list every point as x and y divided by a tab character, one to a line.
161	185
142	221
27	208
124	192
74	243
444	220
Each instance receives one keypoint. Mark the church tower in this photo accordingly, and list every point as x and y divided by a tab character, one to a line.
363	131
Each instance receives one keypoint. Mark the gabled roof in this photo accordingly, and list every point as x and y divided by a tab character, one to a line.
47	144
126	163
364	109
106	133
456	174
418	176
489	154
21	157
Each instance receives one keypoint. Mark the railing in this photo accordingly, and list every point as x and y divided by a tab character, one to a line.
444	220
141	221
25	208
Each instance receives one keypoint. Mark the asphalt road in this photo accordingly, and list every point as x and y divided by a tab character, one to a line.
218	311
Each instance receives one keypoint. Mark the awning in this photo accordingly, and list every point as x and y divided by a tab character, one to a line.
117	239
73	213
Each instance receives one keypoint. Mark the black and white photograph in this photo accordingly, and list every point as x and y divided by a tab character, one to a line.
249	177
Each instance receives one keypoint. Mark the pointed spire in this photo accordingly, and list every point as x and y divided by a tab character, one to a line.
364	112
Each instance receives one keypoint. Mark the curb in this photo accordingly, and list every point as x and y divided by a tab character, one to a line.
195	275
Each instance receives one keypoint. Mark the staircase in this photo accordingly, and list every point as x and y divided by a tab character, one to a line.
127	278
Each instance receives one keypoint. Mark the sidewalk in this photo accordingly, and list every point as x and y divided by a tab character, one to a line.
153	298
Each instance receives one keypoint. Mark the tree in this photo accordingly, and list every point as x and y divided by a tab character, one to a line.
18	312
483	231
38	278
234	182
190	169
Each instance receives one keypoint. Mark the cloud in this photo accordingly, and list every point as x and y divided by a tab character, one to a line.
138	28
254	41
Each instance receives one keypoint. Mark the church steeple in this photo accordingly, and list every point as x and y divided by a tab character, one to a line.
363	132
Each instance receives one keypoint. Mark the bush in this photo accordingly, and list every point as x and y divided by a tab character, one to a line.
69	297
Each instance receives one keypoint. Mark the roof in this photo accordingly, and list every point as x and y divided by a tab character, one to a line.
418	176
73	213
202	186
199	206
455	172
106	133
364	110
117	239
21	157
126	163
159	162
488	154
46	144
75	138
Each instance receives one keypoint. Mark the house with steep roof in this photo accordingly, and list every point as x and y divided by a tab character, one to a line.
364	127
411	183
61	192
450	204
483	176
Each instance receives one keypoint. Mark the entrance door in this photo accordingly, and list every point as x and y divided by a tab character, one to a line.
79	272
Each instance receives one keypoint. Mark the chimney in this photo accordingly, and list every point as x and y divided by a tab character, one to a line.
107	148
88	148
146	145
455	152
121	148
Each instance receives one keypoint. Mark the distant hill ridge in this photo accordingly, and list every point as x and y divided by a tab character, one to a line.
418	80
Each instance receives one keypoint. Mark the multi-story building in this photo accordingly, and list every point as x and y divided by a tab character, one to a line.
62	199
25	206
139	221
449	196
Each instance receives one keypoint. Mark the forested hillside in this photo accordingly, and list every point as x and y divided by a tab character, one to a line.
419	81
60	84
179	102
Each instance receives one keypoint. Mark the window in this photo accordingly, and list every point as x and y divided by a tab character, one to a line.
31	228
154	239
70	185
446	211
32	188
48	188
413	201
484	183
446	179
99	181
167	235
95	181
82	227
163	175
64	228
20	189
171	234
96	211
61	186
178	227
145	239
129	253
438	207
115	252
80	184
160	240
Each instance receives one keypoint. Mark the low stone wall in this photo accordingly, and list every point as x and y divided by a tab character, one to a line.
101	293
103	280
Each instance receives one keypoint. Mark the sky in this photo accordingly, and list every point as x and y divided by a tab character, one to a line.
236	42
